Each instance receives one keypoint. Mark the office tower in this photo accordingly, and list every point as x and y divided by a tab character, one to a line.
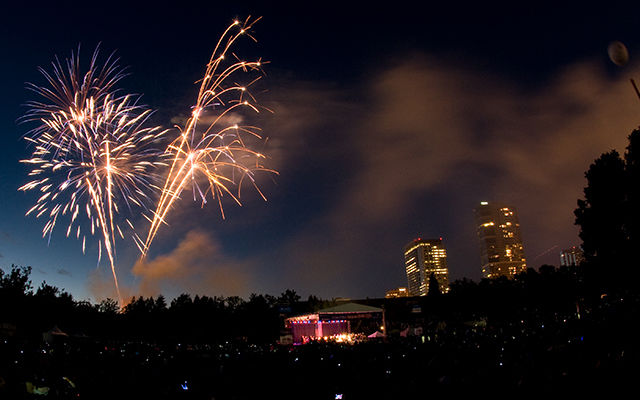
395	293
423	258
501	251
571	257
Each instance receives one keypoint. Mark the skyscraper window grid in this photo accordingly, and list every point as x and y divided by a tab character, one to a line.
501	248
424	257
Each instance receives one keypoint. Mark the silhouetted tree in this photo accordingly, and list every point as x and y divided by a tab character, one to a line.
260	311
289	297
313	304
139	306
181	302
47	291
609	216
17	282
234	302
160	305
257	301
108	306
463	286
547	270
601	214
434	286
632	165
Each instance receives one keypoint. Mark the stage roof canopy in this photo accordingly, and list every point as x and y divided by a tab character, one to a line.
350	308
343	311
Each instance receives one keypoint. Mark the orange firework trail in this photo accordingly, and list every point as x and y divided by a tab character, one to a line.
94	155
92	152
211	153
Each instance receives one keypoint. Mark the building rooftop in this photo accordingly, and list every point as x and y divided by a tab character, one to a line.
350	308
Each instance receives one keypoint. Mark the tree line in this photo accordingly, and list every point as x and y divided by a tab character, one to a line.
260	318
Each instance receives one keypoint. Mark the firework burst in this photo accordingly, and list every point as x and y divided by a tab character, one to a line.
94	157
212	154
92	153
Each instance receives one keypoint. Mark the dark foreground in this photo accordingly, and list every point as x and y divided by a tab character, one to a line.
597	351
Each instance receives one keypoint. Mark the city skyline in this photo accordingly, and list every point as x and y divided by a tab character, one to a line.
382	128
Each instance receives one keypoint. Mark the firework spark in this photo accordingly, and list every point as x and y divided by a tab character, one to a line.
92	153
211	153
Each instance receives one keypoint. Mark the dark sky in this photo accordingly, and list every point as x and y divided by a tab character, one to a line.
389	123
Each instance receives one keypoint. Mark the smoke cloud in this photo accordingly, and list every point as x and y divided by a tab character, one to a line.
196	266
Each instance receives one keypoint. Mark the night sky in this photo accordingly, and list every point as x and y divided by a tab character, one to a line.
389	123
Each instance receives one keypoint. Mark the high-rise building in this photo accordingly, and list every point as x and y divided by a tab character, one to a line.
395	293
423	258
501	251
571	257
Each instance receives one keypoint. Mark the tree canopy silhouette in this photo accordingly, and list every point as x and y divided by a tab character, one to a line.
609	214
434	286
